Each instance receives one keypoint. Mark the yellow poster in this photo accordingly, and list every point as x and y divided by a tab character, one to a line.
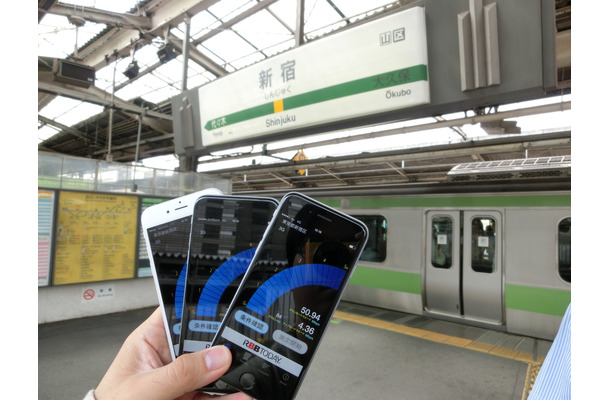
95	238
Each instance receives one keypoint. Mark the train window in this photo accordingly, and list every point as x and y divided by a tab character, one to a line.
442	242
376	247
564	244
483	244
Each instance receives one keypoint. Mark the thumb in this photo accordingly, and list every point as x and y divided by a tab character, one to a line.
185	374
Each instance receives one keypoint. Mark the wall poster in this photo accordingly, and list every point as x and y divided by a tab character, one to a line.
95	237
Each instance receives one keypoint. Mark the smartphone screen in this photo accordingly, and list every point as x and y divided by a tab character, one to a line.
169	247
225	233
288	296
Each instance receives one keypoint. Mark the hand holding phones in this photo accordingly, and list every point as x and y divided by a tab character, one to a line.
262	279
288	295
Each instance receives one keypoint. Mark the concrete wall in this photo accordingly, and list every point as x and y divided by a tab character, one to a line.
57	303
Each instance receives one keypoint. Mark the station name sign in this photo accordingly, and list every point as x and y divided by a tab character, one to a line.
373	68
380	71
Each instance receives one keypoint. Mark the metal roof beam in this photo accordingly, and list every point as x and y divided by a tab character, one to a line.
113	45
43	8
400	171
337	177
238	18
172	13
196	56
64	129
435	152
121	20
440	123
96	95
133	145
116	43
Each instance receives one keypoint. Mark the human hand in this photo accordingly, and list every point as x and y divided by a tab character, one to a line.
143	368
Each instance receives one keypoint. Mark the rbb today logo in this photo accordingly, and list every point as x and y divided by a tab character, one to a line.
263	352
251	345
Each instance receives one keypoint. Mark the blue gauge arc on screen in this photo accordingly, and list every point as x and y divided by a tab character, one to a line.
179	296
292	278
220	281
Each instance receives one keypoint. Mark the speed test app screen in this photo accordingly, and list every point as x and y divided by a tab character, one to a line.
288	297
224	237
169	246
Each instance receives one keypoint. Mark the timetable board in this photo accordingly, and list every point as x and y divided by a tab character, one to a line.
95	237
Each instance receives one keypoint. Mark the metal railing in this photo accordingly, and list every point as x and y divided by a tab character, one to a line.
64	172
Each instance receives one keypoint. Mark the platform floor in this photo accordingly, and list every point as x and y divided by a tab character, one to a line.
367	353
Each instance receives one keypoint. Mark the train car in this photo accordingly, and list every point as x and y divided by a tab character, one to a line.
495	255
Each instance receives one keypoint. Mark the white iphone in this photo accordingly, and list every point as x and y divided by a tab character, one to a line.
166	228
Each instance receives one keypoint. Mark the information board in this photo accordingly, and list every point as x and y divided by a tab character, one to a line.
386	68
46	203
95	237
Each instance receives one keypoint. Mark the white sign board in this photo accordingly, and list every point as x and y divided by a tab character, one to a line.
376	67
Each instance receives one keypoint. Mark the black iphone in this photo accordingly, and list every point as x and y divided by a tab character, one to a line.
288	295
224	235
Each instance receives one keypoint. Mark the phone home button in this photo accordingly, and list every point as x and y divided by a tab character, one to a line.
247	380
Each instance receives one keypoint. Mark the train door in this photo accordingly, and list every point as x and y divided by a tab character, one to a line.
442	276
468	284
482	269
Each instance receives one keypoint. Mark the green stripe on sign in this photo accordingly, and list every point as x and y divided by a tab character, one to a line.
384	279
374	82
358	86
543	301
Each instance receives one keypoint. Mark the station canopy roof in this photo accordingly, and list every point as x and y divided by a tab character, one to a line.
112	36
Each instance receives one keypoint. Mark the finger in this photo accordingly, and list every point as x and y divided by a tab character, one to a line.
185	374
155	335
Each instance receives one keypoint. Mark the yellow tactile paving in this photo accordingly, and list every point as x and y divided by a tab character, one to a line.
479	346
436	337
503	352
532	373
458	341
440	338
